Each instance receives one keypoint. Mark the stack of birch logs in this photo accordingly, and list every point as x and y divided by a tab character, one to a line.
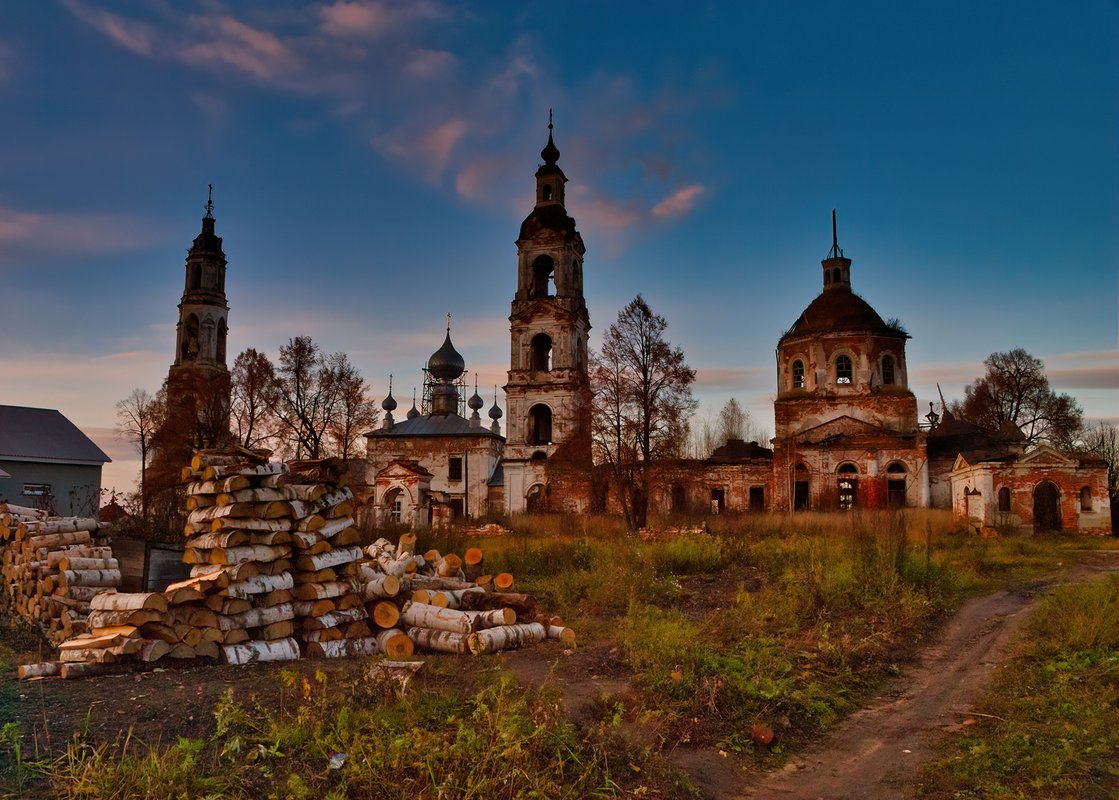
443	610
52	568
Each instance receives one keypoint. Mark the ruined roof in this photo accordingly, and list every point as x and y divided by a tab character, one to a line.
736	450
552	217
839	309
43	434
434	425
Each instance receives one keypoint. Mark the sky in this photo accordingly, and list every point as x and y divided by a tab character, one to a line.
372	162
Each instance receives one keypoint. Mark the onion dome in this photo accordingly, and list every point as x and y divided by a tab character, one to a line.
446	363
550	153
495	412
389	403
475	402
413	412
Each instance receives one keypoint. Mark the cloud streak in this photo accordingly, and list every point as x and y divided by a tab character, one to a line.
32	234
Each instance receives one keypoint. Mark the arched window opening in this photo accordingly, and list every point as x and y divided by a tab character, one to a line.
195	276
536	498
835	275
888	370
540	425
1085	499
221	342
848	486
895	484
827	277
539	455
896	467
798	374
543	277
190	338
394	502
843	369
546	192
1004	500
847	468
542	352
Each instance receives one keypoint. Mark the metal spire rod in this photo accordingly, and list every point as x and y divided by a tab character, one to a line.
210	202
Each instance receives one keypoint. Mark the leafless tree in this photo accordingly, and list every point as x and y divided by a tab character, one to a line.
356	412
642	401
1102	439
253	394
1016	391
139	416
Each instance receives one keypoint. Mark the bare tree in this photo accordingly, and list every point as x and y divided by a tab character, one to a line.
642	401
355	412
1102	439
139	416
1015	390
253	395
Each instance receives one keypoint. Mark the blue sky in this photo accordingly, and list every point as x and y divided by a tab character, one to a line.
372	162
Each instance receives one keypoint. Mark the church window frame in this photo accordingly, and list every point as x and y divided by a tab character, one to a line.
543	277
540	424
847	484
454	468
889	370
1003	499
1085	498
541	352
844	370
797	372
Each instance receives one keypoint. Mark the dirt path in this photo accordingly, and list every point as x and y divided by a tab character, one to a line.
877	752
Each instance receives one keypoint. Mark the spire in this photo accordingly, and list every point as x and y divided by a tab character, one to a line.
837	267
550	153
210	203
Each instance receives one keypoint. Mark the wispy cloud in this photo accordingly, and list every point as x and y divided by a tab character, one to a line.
354	18
139	37
430	63
24	233
679	202
232	42
429	149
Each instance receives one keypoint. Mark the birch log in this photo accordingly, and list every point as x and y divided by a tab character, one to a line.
507	637
440	640
252	651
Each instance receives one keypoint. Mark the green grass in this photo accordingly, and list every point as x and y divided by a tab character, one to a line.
1049	725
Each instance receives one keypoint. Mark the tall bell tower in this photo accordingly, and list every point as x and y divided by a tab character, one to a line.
547	393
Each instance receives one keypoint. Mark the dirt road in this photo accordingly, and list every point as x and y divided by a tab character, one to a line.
877	752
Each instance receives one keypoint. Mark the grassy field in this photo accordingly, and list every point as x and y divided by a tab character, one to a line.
750	639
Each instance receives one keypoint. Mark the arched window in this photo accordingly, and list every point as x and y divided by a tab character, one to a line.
542	352
800	488
536	498
888	370
540	424
679	498
221	342
1004	500
848	486
895	484
827	277
539	455
843	369
546	192
543	277
190	339
835	275
195	276
1085	499
798	374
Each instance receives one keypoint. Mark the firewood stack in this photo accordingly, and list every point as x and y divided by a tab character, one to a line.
52	567
443	611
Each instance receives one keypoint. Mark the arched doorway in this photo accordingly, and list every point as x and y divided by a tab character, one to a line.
536	499
394	502
1047	507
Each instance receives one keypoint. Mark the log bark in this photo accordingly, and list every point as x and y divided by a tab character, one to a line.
258	553
381	586
257	617
343	648
421	615
44	669
507	637
252	651
333	619
441	640
318	591
562	633
124	601
384	614
523	604
395	643
334	558
259	584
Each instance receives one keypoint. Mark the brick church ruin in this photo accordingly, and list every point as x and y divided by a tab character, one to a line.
847	432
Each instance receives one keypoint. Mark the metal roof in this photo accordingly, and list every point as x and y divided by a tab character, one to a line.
434	425
43	434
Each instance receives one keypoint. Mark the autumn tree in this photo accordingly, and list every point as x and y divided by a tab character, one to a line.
139	416
641	386
1015	390
320	400
252	396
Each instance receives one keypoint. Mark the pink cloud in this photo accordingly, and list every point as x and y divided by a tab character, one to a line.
257	52
429	63
136	36
482	177
732	378
69	232
679	202
429	150
349	18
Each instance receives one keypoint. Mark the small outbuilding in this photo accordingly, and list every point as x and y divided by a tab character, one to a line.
46	462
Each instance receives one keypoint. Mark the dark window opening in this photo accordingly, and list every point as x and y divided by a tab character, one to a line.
798	374
896	467
827	277
718	501
757	498
800	496
835	275
539	455
195	276
542	352
679	498
536	499
36	490
456	508
540	425
1004	500
888	370
543	277
454	469
190	338
895	493
221	341
848	494
546	192
848	468
843	369
1085	499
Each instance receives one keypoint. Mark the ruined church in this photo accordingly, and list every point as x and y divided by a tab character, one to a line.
847	431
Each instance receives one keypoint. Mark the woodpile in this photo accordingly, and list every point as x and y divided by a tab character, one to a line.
277	572
52	568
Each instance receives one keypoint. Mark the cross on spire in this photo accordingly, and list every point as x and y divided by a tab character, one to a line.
210	203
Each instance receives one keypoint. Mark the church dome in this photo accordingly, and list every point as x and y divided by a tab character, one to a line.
389	403
839	309
475	402
413	412
446	363
495	412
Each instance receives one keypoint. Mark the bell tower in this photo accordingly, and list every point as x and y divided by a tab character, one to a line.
547	393
203	310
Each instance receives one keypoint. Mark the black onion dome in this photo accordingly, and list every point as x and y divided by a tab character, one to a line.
446	363
550	153
389	403
840	309
413	412
495	412
475	402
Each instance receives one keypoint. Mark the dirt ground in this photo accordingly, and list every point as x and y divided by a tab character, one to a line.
876	753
